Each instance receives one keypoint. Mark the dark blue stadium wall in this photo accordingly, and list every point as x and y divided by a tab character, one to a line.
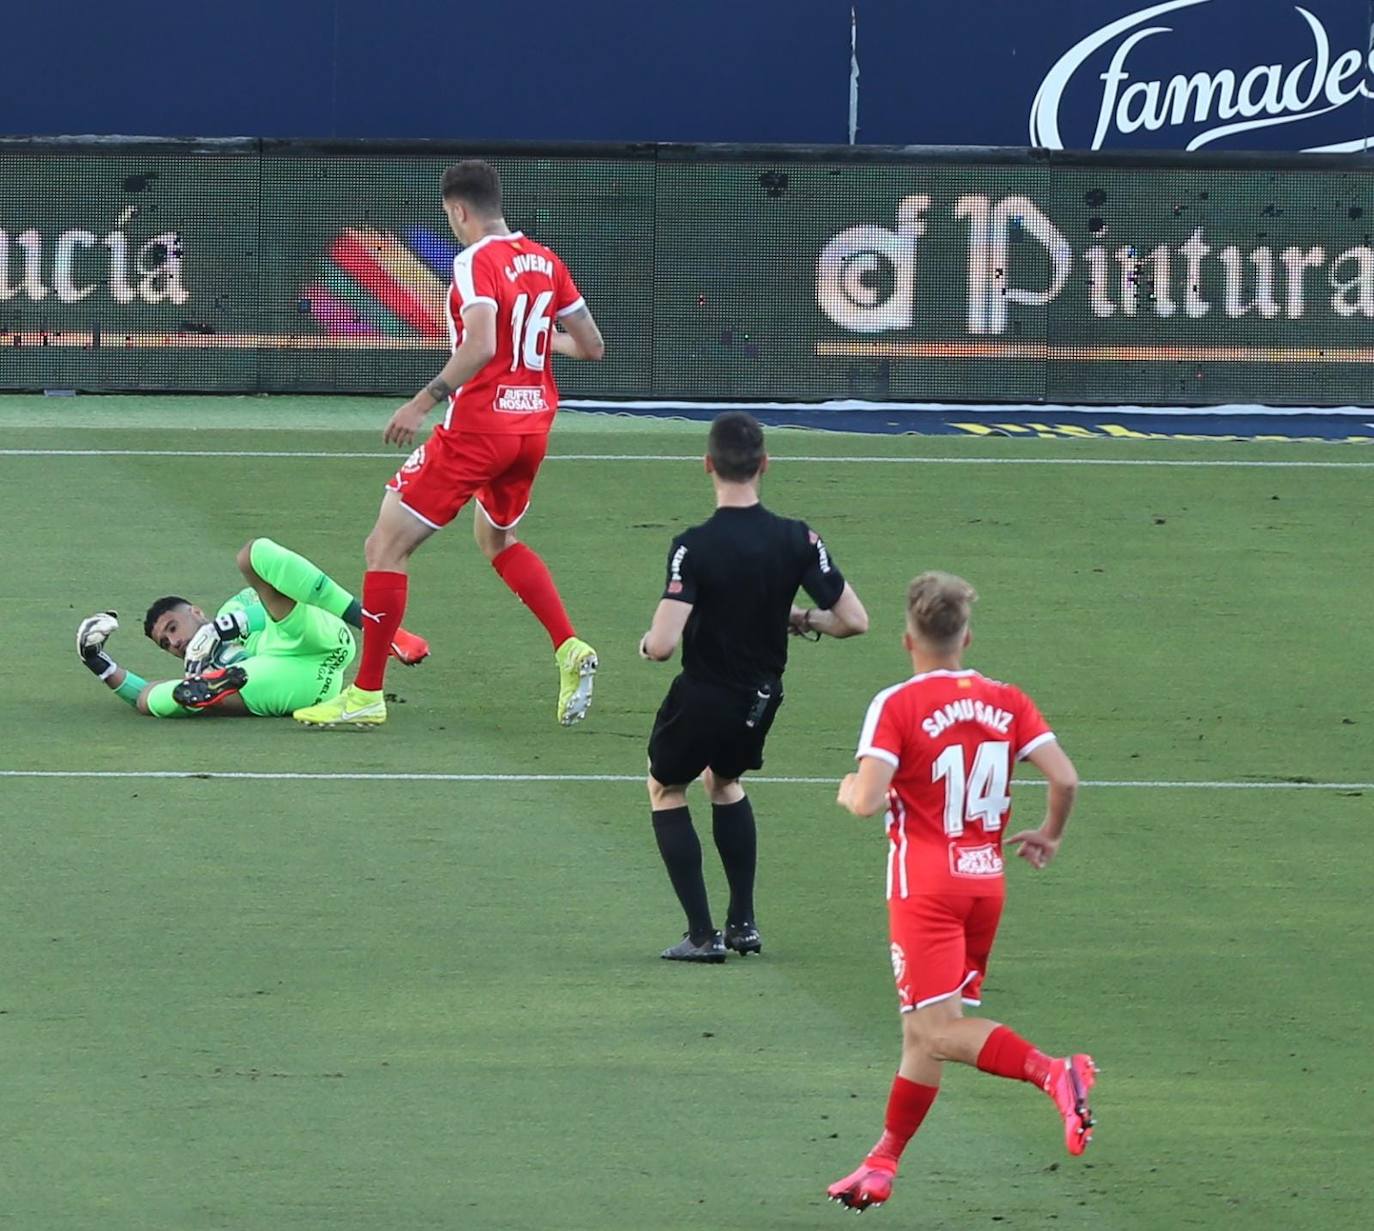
612	70
1074	74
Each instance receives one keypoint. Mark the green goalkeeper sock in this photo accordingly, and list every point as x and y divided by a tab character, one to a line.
296	577
130	689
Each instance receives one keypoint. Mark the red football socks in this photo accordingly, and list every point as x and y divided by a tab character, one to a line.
1007	1054
384	606
906	1108
528	576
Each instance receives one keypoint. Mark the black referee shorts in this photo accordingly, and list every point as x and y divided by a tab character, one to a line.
701	726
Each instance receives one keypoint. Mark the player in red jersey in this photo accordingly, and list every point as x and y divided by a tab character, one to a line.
511	305
938	752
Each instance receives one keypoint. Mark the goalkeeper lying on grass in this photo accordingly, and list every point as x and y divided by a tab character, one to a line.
280	644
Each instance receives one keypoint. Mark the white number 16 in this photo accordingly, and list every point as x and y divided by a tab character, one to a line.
980	797
526	335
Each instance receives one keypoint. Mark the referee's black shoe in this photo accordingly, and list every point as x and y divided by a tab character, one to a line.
687	950
743	938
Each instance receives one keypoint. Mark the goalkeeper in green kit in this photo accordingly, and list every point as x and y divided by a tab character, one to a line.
279	644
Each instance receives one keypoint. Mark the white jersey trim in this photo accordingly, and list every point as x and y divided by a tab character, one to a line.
1026	749
462	270
930	1000
496	525
870	727
448	318
433	525
462	277
896	816
490	239
448	408
571	308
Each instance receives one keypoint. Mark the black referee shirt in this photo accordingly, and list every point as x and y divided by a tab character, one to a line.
741	571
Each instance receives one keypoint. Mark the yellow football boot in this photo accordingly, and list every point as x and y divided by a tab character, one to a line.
576	670
351	708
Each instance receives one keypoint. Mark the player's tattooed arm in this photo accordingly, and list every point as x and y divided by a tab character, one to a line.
578	336
438	389
474	352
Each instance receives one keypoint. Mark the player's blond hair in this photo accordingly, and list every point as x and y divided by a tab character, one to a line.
938	607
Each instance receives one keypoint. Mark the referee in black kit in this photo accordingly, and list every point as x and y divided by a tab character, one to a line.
729	599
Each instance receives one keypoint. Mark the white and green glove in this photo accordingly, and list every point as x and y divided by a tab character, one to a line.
203	648
91	635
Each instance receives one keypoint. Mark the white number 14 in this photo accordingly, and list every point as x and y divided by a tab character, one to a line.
980	797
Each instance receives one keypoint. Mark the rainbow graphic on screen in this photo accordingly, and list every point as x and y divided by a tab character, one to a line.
374	283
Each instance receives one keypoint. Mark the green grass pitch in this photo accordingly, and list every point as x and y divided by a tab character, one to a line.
288	1004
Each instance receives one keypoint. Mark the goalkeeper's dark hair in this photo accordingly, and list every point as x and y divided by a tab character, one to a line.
160	608
735	446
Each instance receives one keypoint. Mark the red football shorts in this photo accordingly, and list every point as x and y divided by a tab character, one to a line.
940	946
451	468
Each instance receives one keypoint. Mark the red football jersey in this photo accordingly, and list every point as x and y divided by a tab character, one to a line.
953	738
530	288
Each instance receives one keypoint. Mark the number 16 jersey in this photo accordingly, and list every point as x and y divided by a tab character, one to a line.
953	738
530	288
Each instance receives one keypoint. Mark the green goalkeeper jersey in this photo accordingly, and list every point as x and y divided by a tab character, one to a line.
290	664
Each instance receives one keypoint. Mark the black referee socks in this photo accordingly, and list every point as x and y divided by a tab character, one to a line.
680	848
736	839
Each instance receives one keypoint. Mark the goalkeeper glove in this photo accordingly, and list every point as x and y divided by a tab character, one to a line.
91	635
202	648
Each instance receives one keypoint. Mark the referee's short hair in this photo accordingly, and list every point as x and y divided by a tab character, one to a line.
735	446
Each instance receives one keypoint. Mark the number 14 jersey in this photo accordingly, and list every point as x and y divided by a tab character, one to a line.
530	288
952	737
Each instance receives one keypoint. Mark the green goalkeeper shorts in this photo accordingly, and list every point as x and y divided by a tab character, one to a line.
297	662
